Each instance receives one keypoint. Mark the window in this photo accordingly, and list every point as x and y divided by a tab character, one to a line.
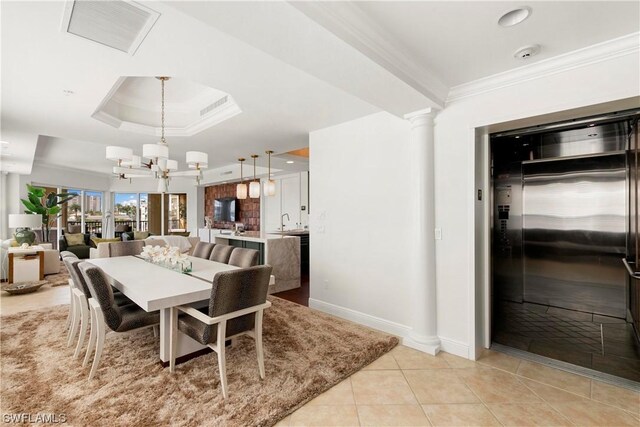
131	209
93	212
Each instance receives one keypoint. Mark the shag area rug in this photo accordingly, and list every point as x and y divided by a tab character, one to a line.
306	353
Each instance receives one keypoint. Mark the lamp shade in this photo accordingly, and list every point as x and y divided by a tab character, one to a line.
25	221
241	191
155	151
254	189
269	187
197	159
172	165
116	153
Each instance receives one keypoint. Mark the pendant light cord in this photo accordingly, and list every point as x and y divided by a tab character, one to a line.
162	111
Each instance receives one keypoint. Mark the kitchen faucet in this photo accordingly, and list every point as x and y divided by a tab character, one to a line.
282	220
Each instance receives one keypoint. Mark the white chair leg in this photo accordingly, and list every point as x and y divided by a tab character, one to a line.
75	321
99	341
155	331
68	325
84	320
222	330
173	338
92	338
258	338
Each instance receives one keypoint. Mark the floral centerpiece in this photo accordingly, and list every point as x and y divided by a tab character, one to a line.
169	257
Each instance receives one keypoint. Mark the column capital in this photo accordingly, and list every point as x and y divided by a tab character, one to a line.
421	116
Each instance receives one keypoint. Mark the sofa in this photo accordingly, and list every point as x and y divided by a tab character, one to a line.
103	249
81	251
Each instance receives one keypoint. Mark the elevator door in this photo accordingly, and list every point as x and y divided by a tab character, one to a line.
574	233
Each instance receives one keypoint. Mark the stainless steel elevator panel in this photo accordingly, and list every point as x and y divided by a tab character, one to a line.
507	234
574	233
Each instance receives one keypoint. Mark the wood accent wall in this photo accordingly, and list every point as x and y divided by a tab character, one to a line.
249	208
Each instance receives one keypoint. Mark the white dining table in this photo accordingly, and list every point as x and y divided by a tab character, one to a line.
153	287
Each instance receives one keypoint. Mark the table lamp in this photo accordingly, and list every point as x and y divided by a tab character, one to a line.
23	223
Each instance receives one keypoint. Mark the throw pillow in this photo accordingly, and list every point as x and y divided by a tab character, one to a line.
74	239
96	240
140	235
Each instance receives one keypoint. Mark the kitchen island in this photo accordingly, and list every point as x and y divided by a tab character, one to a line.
281	252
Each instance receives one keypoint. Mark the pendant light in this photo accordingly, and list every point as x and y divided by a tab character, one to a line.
254	187
241	189
269	184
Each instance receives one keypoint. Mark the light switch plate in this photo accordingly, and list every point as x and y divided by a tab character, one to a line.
438	233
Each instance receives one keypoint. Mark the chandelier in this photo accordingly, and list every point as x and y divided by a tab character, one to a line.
159	165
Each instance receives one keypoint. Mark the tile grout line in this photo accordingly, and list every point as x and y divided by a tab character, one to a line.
478	397
413	392
518	378
353	394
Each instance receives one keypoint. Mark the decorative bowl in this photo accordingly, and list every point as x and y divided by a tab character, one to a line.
23	287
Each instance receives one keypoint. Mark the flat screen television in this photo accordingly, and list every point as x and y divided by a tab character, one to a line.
225	209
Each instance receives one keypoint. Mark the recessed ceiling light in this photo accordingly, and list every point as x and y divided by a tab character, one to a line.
514	17
527	52
290	161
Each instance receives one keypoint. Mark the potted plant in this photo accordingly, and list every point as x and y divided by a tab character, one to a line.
47	205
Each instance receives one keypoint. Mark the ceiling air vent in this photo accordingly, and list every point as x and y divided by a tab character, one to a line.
122	25
213	106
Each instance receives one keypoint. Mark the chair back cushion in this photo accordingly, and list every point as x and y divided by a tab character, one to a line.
74	239
75	274
67	254
120	228
133	247
101	291
237	289
221	253
244	258
203	250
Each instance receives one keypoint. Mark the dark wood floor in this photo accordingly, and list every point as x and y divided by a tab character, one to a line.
299	295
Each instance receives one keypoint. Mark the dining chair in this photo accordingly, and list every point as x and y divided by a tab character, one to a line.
238	299
244	258
63	255
130	247
80	310
221	253
203	250
105	313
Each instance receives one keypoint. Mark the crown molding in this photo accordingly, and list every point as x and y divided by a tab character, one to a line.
610	49
356	28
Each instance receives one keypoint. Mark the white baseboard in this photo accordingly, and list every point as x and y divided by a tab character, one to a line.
401	331
454	347
361	318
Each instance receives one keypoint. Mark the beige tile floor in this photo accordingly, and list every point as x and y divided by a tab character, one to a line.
409	388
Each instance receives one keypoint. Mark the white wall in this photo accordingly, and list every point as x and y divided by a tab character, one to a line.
359	247
458	146
360	224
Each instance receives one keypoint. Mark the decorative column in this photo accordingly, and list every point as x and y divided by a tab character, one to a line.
424	333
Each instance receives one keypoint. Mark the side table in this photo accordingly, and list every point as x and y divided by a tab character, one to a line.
26	265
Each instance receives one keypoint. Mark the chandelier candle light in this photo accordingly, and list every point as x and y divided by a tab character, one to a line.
160	166
269	184
254	186
241	189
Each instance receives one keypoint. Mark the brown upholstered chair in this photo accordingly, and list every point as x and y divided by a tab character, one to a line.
244	258
133	247
106	313
203	250
221	253
238	299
